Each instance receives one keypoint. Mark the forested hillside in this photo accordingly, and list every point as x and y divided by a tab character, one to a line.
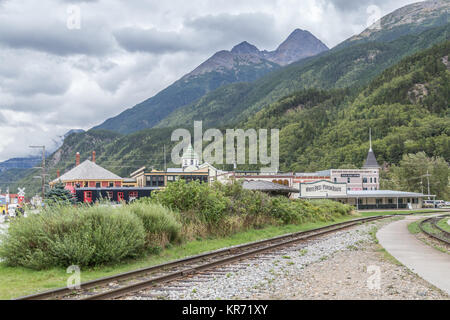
338	68
407	107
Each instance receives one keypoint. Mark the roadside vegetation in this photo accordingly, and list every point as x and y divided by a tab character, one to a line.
89	236
185	219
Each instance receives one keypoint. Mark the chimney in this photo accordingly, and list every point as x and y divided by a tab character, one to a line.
57	173
77	159
93	156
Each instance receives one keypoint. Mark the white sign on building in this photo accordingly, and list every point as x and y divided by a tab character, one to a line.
322	189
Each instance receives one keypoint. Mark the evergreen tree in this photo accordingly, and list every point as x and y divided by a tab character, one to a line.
59	195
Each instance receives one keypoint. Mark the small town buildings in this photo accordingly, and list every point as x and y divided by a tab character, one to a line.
362	199
191	170
126	194
88	174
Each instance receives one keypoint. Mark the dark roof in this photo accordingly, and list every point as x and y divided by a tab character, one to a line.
371	161
267	186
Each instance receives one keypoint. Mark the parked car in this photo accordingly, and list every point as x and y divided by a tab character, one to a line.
433	203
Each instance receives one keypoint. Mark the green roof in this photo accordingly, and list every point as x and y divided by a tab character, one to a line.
190	153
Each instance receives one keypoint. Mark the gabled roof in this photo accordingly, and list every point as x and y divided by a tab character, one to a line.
88	170
371	161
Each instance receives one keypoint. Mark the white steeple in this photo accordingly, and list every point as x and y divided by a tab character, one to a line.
190	158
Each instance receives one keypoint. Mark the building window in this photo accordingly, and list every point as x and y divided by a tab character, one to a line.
371	180
375	180
379	201
390	201
133	195
348	180
120	196
335	179
111	184
364	180
97	185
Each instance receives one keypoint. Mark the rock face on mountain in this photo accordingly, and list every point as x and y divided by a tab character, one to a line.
244	63
299	45
410	19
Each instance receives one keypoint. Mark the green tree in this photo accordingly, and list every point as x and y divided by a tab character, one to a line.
410	175
59	195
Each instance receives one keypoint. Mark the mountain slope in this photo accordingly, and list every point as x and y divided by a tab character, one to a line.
244	63
338	68
407	107
410	19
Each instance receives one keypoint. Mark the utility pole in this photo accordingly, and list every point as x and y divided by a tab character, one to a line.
165	165
43	169
428	179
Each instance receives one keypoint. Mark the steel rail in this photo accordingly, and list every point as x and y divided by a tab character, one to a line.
297	236
433	222
122	291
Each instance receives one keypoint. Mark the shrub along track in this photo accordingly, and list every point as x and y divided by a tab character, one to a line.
126	283
430	228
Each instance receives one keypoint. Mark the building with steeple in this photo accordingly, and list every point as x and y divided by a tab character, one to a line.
190	160
371	161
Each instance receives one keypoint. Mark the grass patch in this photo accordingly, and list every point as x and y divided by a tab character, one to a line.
405	212
387	256
19	281
414	227
444	224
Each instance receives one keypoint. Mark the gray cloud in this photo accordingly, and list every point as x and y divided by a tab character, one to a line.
53	79
56	39
152	40
200	33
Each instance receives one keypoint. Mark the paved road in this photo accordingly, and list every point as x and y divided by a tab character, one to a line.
429	263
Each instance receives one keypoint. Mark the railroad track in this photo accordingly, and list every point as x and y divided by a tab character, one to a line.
438	233
129	282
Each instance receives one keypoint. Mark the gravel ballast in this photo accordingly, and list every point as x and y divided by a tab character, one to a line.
343	265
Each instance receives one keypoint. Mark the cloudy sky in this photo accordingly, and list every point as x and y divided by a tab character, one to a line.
68	64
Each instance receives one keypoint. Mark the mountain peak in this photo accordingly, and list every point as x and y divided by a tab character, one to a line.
298	45
245	48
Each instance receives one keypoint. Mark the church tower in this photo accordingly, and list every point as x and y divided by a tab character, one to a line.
190	158
371	161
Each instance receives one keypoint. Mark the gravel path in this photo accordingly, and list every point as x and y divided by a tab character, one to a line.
343	265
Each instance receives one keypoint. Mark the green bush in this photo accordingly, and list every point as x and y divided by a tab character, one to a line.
207	203
64	236
160	223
